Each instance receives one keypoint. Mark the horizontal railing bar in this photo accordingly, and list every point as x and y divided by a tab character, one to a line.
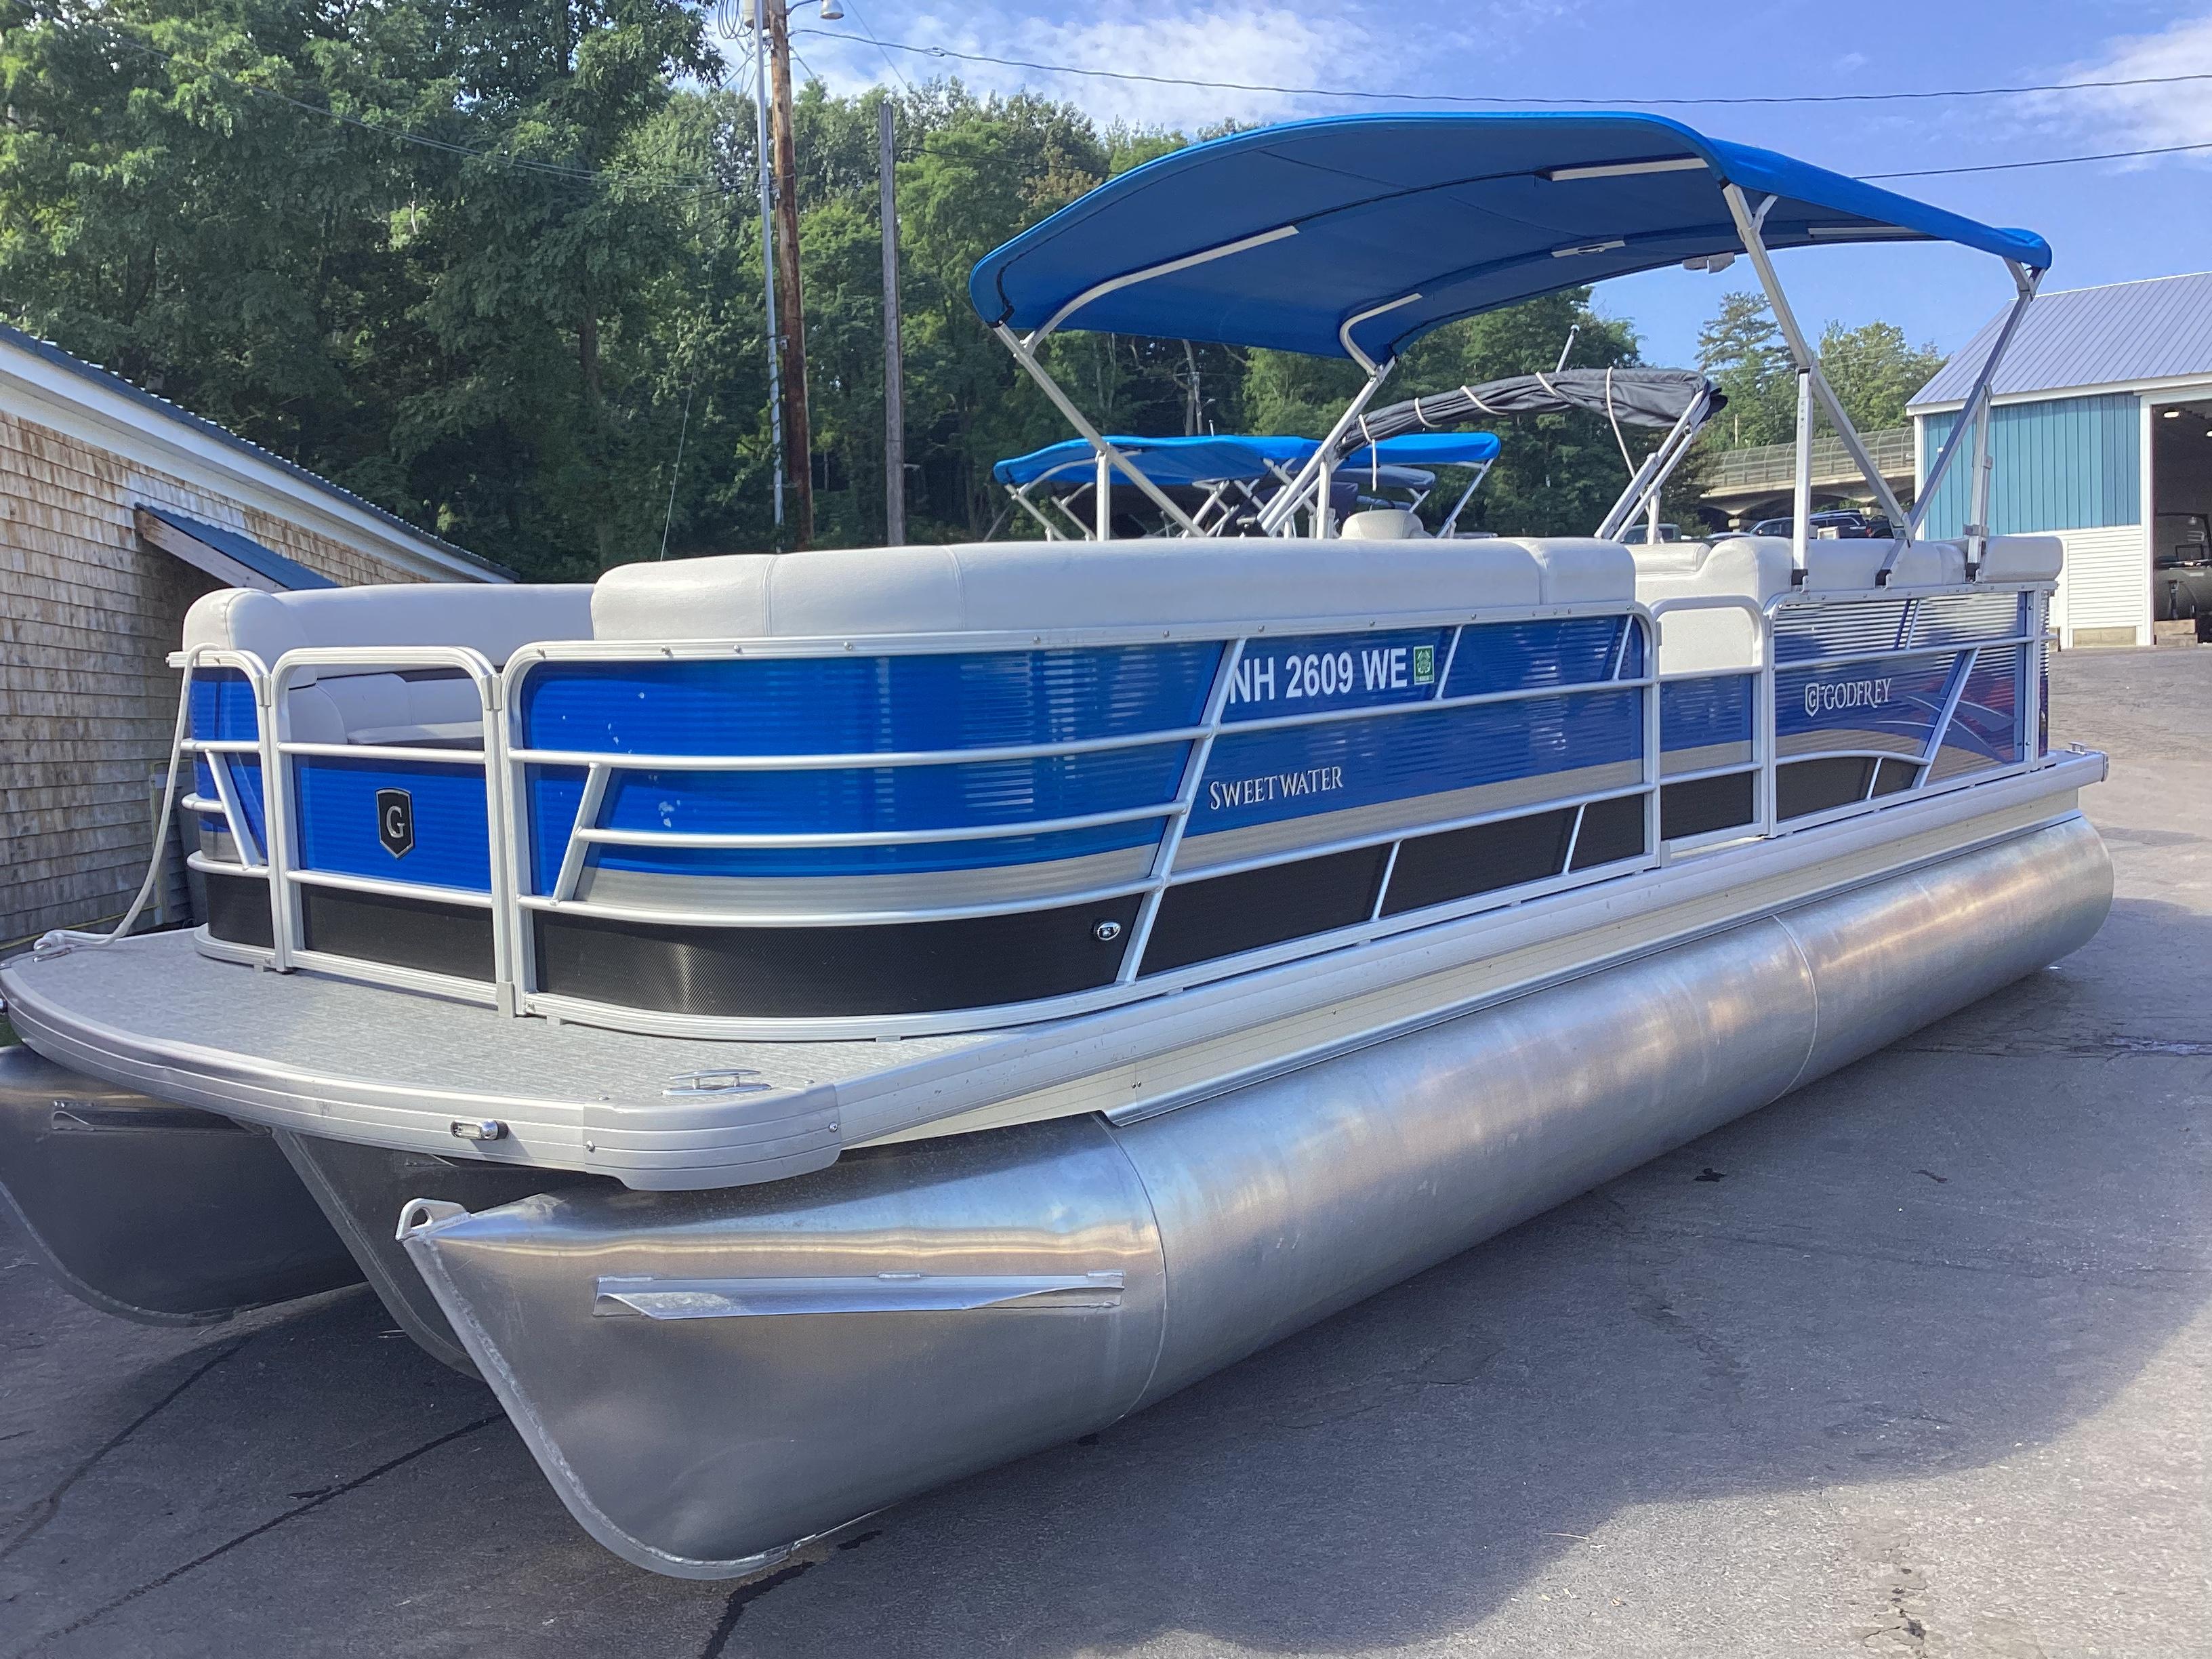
859	761
222	745
879	838
383	751
339	879
693	918
390	973
1731	769
1954	649
212	866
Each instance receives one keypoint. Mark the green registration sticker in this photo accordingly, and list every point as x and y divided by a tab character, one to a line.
1425	665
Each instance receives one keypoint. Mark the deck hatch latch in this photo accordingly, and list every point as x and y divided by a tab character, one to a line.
724	1080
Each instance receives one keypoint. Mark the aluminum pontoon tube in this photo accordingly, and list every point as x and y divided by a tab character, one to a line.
162	1213
708	1377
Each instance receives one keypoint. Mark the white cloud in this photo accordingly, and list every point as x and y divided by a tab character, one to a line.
2142	117
1253	42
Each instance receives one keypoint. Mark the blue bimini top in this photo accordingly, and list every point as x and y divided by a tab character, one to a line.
1171	461
1354	236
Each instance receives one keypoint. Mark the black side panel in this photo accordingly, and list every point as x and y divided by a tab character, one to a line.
406	932
1461	863
1891	776
1707	804
1611	829
238	910
910	968
1814	786
1225	914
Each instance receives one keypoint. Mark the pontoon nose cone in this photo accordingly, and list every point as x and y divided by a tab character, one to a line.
823	1347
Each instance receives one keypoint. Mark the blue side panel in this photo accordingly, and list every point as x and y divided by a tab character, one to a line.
1987	722
1264	777
1321	673
1901	697
1516	656
337	817
1693	713
552	795
222	706
2061	464
840	705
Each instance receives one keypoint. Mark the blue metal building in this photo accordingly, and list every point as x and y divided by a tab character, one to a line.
2101	433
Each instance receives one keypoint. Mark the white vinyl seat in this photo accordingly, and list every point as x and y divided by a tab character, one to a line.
1756	569
1382	524
415	710
1016	586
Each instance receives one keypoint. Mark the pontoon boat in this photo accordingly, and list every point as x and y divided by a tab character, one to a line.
820	1025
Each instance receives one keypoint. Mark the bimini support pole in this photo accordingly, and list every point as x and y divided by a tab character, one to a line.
1658	466
1747	222
1451	519
1976	411
1109	456
1021	497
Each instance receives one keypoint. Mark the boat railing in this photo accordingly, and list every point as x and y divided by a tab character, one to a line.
533	859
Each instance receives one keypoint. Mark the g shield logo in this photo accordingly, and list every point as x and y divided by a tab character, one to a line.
395	821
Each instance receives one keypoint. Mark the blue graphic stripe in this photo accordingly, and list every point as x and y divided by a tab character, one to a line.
1265	777
1901	697
842	705
338	815
1693	713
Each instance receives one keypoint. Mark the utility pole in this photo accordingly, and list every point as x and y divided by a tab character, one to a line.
768	253
894	369
790	317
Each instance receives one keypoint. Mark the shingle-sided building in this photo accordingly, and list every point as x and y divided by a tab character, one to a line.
2101	432
117	509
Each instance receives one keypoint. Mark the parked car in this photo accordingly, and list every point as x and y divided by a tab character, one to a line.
1635	533
1844	524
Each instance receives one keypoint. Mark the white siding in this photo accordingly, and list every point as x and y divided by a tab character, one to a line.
2105	583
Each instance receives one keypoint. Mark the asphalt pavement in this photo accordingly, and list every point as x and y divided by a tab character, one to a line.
1914	1362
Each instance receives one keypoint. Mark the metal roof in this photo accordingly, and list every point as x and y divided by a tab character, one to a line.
48	351
2118	335
290	576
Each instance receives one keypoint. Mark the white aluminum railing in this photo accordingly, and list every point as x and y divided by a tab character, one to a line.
504	760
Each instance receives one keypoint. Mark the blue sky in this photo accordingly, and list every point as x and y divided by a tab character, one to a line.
2107	221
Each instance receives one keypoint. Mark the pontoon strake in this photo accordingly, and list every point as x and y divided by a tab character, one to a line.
847	1018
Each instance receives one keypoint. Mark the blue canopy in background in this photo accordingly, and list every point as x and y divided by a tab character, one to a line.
1173	461
1290	233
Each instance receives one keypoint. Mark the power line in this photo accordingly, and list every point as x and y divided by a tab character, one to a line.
1500	100
2046	161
